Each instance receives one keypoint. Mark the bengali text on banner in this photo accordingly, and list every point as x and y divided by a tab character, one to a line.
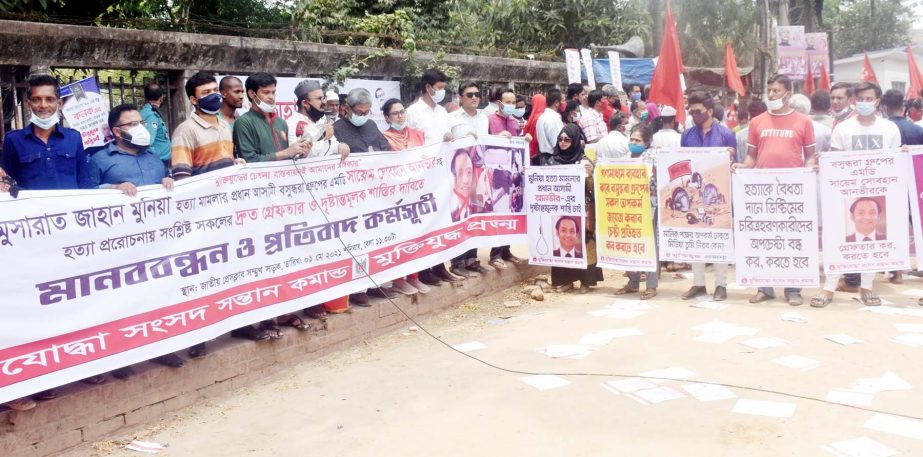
556	209
624	220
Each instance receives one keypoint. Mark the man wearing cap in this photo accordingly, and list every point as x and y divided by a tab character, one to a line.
333	106
310	121
667	136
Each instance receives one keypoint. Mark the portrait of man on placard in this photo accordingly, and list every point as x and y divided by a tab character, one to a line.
866	215
567	231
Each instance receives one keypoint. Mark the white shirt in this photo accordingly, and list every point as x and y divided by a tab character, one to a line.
433	122
850	135
491	108
613	146
822	135
666	138
461	123
320	148
547	128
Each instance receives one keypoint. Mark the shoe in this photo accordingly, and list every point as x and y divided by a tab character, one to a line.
760	297
444	275
477	268
497	263
249	333
315	312
564	288
124	373
359	299
513	259
693	292
21	404
417	284
795	299
429	278
382	292
841	286
94	380
170	360
459	271
402	287
583	290
198	351
49	394
721	294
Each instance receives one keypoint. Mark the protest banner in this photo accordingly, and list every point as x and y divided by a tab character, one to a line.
916	199
103	280
775	226
381	92
615	69
816	52
694	186
556	211
790	50
572	63
85	111
624	220
588	68
864	209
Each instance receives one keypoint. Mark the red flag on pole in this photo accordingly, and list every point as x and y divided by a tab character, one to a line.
824	78
809	80
666	88
731	72
868	74
916	78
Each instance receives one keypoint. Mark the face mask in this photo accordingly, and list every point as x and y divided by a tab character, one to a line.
137	136
916	115
358	121
508	110
843	111
314	114
520	112
700	118
264	107
47	122
636	96
210	103
865	108
776	104
644	116
635	149
398	126
438	95
576	117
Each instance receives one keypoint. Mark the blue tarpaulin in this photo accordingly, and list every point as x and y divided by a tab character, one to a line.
634	71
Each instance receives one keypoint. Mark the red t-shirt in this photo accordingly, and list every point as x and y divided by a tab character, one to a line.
780	139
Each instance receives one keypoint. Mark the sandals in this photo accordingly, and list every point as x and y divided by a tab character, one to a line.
291	320
249	333
821	300
869	298
626	290
648	294
271	329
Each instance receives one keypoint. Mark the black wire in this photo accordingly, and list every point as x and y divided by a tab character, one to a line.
607	375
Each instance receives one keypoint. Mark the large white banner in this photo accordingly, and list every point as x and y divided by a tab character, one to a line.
864	208
615	69
103	280
572	63
775	227
694	189
587	58
556	208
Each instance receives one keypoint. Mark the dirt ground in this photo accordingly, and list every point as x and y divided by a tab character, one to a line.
405	394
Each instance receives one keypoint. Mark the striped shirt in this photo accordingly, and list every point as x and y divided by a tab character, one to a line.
200	146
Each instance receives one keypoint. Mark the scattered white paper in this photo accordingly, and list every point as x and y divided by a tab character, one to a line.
545	382
717	326
909	328
792	316
628	385
859	447
709	392
764	408
763	343
796	361
673	373
708	304
470	346
843	339
910	339
146	447
606	336
886	382
907	428
566	351
913	292
656	395
849	397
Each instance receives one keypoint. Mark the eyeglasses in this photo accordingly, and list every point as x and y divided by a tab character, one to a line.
564	139
473	94
132	124
397	113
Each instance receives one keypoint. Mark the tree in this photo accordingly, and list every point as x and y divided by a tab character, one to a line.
705	25
869	24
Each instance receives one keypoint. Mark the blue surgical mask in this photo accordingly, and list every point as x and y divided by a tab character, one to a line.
211	103
636	95
358	121
865	108
508	110
519	112
398	126
635	149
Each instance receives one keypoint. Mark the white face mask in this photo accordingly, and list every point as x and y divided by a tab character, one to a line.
138	136
776	104
438	95
45	123
264	107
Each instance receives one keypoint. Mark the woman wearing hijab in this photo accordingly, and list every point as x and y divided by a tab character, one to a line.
400	136
538	107
569	151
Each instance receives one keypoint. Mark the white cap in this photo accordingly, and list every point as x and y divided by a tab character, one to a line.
667	111
331	95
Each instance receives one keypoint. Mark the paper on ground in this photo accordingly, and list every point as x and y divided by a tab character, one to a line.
566	351
763	343
708	392
796	361
606	336
672	373
859	447
843	339
717	326
913	292
909	328
893	310
849	397
628	385
908	428
887	381
792	316
470	346
910	339
656	395
145	446
764	408
545	382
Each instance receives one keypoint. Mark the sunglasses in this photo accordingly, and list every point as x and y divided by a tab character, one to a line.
564	139
473	94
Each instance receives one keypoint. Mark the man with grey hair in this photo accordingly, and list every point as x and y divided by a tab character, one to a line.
310	122
802	104
355	130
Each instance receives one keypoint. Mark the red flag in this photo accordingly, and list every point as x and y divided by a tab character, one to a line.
730	71
916	78
666	88
868	74
809	80
824	78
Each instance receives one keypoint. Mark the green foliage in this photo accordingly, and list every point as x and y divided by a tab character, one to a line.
704	26
858	27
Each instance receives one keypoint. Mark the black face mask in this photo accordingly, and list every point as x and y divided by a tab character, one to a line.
315	114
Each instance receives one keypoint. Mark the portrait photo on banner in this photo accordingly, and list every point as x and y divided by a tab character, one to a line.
866	219
568	240
487	178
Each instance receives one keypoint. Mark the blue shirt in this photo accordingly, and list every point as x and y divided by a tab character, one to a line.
112	167
718	136
160	140
911	134
36	165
